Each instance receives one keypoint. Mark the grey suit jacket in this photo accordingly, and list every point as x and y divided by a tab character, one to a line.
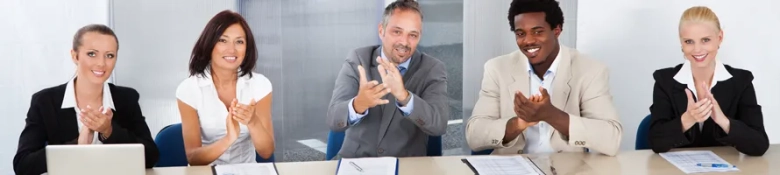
385	131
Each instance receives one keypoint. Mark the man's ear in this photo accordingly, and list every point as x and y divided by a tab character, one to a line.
557	30
381	30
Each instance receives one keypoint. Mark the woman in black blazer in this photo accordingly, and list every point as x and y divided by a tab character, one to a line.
703	102
87	109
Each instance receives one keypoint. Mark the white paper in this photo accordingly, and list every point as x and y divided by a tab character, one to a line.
246	169
368	166
503	165
687	160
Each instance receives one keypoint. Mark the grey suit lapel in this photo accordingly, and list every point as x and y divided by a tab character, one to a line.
389	110
414	66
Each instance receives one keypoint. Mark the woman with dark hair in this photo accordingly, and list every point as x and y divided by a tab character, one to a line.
87	109
225	108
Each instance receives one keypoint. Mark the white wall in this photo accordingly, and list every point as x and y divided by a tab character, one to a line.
35	51
644	37
156	40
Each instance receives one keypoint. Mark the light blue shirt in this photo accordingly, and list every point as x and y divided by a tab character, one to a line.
354	117
537	138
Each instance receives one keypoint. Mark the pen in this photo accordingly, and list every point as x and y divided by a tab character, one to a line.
553	170
715	165
356	166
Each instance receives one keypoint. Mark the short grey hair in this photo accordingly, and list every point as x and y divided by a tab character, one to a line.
400	5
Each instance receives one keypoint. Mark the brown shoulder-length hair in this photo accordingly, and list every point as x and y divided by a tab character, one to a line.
201	53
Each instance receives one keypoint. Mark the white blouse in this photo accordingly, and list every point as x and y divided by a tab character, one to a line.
200	93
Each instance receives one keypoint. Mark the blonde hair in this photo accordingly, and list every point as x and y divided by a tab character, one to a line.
700	14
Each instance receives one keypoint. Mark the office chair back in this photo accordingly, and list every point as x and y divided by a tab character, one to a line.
336	140
642	137
170	143
483	152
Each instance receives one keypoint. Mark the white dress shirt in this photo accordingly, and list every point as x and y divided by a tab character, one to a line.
537	138
685	76
69	101
200	93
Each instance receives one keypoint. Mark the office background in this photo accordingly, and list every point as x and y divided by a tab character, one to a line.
302	44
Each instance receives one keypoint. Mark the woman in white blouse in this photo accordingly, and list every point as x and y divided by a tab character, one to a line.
225	108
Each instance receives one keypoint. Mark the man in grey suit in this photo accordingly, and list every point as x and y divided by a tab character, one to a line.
389	98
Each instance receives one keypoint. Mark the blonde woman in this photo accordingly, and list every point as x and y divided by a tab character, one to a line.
87	109
703	102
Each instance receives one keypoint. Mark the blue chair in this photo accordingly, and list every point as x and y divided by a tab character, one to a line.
483	152
642	137
170	143
336	139
434	146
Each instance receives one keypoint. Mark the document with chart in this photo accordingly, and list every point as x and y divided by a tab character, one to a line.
698	161
502	165
245	169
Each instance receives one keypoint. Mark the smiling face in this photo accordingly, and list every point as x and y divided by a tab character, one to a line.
230	50
401	35
95	58
700	42
535	37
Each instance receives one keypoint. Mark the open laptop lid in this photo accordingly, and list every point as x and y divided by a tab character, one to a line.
116	159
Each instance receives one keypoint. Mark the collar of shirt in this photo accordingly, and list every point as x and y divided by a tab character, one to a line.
685	76
553	67
69	100
405	64
206	80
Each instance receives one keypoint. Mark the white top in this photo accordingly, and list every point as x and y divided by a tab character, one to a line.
685	76
200	93
537	137
69	101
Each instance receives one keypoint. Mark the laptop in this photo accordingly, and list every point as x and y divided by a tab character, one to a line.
115	159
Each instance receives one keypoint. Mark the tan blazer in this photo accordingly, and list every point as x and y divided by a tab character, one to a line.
580	88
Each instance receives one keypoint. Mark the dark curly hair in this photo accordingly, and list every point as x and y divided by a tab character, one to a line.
552	11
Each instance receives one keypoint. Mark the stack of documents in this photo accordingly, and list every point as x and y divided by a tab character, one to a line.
698	162
502	165
245	169
372	166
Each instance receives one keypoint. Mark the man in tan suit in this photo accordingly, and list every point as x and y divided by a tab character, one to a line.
515	114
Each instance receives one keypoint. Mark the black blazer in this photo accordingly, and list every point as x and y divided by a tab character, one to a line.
737	99
47	123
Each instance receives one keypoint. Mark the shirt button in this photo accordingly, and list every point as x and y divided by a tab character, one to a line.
380	150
